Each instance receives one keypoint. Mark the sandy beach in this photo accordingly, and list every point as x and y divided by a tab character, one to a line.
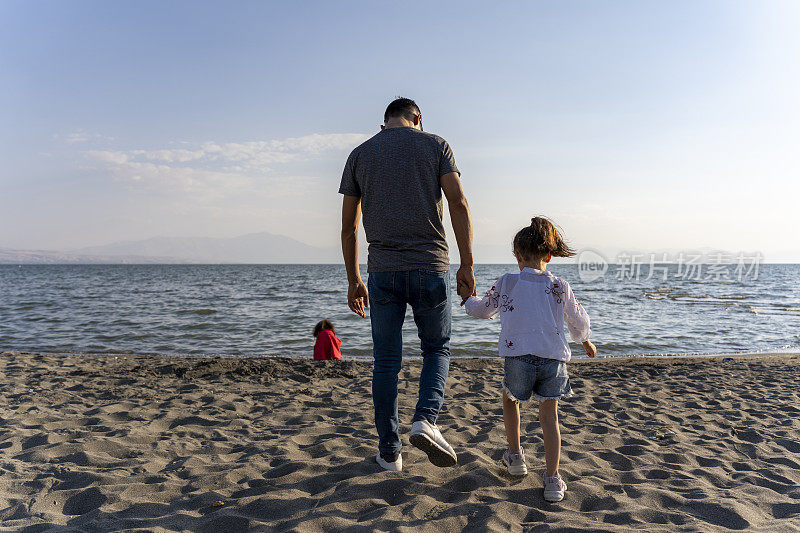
100	443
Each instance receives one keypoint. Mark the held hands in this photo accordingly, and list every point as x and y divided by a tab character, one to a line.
465	283
358	296
590	348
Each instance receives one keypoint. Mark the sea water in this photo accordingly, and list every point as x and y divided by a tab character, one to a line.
270	310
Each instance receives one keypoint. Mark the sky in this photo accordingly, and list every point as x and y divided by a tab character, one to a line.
634	125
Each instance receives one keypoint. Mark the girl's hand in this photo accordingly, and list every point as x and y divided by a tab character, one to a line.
590	348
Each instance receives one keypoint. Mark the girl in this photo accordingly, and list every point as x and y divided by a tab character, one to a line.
533	306
328	345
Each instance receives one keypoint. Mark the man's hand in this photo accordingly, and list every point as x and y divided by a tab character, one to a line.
465	283
590	348
358	298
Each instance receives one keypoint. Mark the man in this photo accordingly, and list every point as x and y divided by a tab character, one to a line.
396	180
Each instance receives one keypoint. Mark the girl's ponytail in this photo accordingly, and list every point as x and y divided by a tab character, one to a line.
542	237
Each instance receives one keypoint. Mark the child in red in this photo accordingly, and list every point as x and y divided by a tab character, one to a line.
328	345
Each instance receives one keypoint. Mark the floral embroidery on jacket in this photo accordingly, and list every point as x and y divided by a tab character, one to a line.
509	344
493	298
556	291
506	305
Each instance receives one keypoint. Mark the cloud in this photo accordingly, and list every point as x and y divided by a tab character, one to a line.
107	156
254	155
76	137
213	170
81	136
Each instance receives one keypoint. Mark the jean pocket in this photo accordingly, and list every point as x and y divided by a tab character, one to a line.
380	286
433	288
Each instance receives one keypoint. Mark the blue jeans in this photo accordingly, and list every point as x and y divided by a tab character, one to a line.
428	293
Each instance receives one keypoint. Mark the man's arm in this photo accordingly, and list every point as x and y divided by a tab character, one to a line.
462	227
357	296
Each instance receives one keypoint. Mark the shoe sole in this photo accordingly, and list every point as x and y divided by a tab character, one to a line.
436	454
553	497
518	471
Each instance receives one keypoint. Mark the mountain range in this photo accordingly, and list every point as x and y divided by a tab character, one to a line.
260	248
251	248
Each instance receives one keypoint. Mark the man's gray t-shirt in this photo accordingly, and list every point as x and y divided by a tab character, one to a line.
396	174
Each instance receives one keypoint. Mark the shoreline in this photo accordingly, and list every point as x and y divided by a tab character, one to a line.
281	444
789	352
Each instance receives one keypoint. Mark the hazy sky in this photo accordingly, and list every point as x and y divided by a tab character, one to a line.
635	125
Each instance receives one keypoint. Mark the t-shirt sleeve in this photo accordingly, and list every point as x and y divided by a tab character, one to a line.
349	185
447	163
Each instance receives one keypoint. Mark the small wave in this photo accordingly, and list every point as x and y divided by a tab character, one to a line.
200	326
120	337
201	312
772	309
659	293
730	302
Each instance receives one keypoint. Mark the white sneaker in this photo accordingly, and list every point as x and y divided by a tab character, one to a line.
515	462
554	488
428	438
391	466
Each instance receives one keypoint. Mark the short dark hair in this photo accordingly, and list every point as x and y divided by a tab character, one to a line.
401	107
542	237
323	324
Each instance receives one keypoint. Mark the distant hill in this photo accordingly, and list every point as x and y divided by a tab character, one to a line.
47	257
263	248
251	248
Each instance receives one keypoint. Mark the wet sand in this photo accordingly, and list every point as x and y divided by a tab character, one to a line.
98	443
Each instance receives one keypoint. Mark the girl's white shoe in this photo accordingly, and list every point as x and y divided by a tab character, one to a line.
554	488
515	462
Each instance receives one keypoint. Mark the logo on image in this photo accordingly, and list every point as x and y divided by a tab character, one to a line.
591	265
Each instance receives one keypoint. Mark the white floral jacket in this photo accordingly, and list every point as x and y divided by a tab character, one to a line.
533	306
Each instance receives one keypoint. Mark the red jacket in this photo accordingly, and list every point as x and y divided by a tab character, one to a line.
328	346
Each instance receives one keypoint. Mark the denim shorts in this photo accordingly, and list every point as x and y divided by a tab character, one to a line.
529	375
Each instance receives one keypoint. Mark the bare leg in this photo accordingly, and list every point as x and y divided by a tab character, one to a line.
511	420
548	416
